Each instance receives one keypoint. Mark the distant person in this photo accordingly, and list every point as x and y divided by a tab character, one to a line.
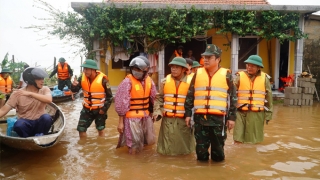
177	53
190	55
23	84
30	103
211	92
97	98
201	61
134	104
175	138
64	74
189	65
254	102
6	85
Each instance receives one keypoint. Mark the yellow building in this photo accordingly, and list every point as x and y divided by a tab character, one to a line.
280	60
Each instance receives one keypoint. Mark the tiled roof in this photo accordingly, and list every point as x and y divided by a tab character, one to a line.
237	2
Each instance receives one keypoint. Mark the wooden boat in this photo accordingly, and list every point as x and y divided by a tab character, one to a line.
37	142
58	99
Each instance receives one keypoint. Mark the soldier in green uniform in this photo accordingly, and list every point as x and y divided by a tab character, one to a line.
213	97
254	102
174	136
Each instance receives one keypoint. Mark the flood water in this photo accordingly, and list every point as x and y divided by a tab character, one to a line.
291	150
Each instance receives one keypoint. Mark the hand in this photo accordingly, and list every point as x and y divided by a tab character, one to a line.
230	125
187	120
156	117
75	81
101	111
120	127
267	121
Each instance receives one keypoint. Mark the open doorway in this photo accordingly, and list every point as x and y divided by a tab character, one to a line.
248	46
283	66
198	47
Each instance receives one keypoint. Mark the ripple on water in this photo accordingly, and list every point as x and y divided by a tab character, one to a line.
292	145
264	173
266	148
294	167
316	139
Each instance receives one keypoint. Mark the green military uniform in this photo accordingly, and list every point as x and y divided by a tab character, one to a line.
210	129
175	137
87	116
249	125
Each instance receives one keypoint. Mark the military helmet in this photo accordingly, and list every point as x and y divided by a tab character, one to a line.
254	59
6	70
62	60
195	64
179	61
140	62
89	63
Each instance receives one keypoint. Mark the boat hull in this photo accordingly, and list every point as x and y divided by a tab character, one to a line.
37	142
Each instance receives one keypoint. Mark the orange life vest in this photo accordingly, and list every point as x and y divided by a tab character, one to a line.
251	94
175	97
5	84
139	101
210	96
94	94
63	72
177	54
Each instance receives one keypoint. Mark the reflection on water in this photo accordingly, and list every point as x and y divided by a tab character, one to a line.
290	151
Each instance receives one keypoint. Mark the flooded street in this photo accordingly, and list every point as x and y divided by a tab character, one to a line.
291	150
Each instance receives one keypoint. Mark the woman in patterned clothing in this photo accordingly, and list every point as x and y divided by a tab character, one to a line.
133	99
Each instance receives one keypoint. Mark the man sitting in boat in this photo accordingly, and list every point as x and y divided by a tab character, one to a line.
64	72
30	103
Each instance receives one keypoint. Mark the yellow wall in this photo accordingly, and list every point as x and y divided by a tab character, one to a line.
263	53
219	40
115	75
291	57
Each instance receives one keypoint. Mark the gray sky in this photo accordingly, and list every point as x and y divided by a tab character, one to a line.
26	45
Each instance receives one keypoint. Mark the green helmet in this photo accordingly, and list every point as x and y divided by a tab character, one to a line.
254	59
195	64
179	61
6	70
62	60
89	63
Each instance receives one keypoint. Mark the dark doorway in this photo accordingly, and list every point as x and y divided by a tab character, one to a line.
248	47
197	46
283	66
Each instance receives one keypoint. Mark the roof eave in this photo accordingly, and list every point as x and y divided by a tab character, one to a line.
79	6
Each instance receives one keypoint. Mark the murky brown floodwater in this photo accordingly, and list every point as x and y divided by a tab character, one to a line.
291	150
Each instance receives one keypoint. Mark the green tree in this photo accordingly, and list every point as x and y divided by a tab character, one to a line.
155	28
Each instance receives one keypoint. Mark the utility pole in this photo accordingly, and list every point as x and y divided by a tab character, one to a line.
54	62
81	64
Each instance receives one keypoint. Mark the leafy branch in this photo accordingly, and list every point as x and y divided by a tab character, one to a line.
154	28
